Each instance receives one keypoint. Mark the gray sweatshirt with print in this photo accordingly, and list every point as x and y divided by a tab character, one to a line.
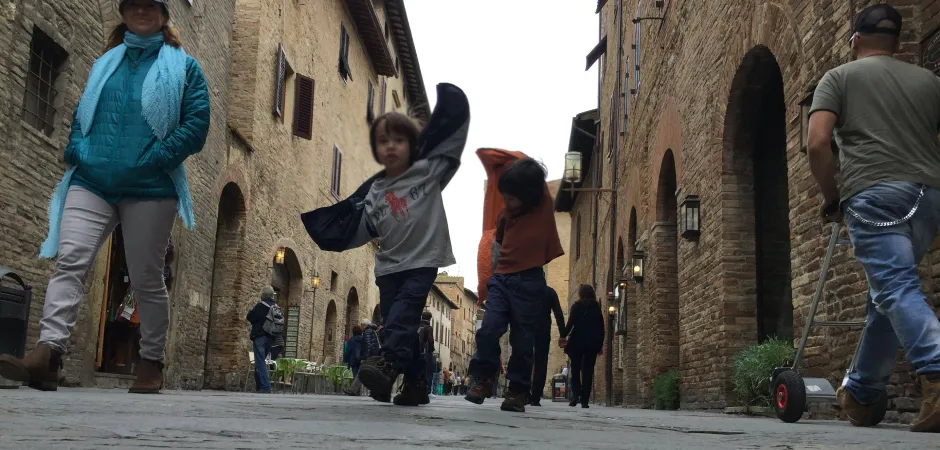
407	212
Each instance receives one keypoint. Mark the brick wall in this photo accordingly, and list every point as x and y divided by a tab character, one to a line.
720	91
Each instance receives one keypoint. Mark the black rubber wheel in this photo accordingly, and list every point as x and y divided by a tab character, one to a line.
880	408
789	396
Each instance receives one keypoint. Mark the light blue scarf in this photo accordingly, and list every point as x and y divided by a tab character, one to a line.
161	98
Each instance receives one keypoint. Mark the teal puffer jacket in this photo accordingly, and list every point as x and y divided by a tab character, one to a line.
123	159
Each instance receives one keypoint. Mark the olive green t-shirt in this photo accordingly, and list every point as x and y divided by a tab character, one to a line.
888	120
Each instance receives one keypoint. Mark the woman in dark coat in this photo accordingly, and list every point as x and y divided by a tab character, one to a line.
585	333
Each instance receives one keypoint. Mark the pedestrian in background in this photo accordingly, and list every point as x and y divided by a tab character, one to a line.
585	342
368	347
885	114
267	321
145	109
526	240
543	338
352	356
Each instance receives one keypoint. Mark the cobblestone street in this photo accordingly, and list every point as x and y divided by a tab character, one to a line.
95	419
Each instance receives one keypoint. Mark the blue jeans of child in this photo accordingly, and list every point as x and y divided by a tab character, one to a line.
514	301
897	309
261	346
402	297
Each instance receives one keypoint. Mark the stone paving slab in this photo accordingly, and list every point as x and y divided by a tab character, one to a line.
97	419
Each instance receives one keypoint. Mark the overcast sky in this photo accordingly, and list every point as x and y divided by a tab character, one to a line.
521	64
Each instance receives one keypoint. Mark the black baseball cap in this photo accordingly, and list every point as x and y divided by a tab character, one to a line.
867	21
162	3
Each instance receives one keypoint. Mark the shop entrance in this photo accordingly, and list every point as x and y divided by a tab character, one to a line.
119	329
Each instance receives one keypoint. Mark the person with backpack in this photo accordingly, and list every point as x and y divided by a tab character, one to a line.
426	349
267	322
369	346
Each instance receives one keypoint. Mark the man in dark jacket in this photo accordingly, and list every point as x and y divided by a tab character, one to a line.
261	340
543	340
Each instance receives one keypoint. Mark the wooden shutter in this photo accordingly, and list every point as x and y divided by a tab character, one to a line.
280	71
370	110
303	107
382	98
337	172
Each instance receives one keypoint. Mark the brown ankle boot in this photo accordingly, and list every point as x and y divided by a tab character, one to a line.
480	391
39	368
514	400
929	419
858	414
149	378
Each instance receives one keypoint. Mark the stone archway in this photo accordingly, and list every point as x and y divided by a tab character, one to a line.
631	394
755	154
287	281
663	274
329	333
352	311
225	340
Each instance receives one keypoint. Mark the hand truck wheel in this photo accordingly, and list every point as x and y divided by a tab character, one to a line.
789	396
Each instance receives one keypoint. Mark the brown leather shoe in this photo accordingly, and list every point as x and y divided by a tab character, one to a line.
929	419
514	401
858	414
39	368
149	378
480	391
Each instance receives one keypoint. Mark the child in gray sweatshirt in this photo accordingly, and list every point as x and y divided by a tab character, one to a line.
404	208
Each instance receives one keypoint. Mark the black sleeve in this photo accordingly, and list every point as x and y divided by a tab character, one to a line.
257	313
601	325
571	318
558	313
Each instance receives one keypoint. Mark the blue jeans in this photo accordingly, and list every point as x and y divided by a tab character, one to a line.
898	312
402	296
262	346
431	369
514	301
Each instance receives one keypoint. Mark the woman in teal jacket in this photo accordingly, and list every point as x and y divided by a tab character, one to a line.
145	109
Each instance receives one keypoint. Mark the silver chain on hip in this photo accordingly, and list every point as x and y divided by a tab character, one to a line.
893	222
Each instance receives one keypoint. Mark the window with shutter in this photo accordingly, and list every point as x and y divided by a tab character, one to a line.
337	172
382	98
370	102
280	75
344	53
304	88
636	54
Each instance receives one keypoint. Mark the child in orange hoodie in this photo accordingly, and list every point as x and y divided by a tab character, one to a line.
526	240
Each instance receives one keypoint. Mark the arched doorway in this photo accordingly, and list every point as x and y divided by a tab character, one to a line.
630	313
287	281
665	268
756	159
329	333
225	344
352	311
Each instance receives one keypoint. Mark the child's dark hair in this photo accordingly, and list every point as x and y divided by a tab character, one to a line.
525	180
395	122
586	293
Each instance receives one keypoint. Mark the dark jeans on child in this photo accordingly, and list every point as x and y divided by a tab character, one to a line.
514	301
402	297
543	339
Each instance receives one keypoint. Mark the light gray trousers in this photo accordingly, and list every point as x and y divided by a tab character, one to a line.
87	222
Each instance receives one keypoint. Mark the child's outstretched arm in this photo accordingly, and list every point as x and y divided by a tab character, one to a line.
365	233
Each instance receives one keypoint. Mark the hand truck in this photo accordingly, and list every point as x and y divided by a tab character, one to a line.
791	392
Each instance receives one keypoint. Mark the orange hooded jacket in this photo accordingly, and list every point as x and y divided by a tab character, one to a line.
494	161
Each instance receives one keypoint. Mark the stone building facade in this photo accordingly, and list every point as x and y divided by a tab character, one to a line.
556	275
268	158
463	341
707	102
443	311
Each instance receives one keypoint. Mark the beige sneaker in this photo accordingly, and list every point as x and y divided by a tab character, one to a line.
929	419
858	414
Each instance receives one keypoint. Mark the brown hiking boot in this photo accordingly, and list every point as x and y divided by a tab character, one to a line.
149	378
858	414
480	391
39	368
378	375
413	393
514	401
929	419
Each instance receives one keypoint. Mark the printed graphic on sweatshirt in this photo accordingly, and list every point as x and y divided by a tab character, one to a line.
398	206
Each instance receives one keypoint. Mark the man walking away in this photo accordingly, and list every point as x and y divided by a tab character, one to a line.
267	321
886	114
543	340
426	349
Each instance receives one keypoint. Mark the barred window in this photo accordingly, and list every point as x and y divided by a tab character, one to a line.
46	59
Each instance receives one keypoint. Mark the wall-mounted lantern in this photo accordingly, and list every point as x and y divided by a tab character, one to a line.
805	106
612	310
279	256
638	257
315	282
689	217
573	167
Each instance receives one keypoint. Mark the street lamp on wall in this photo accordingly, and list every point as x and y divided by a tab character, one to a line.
689	224
573	167
279	256
638	262
612	310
